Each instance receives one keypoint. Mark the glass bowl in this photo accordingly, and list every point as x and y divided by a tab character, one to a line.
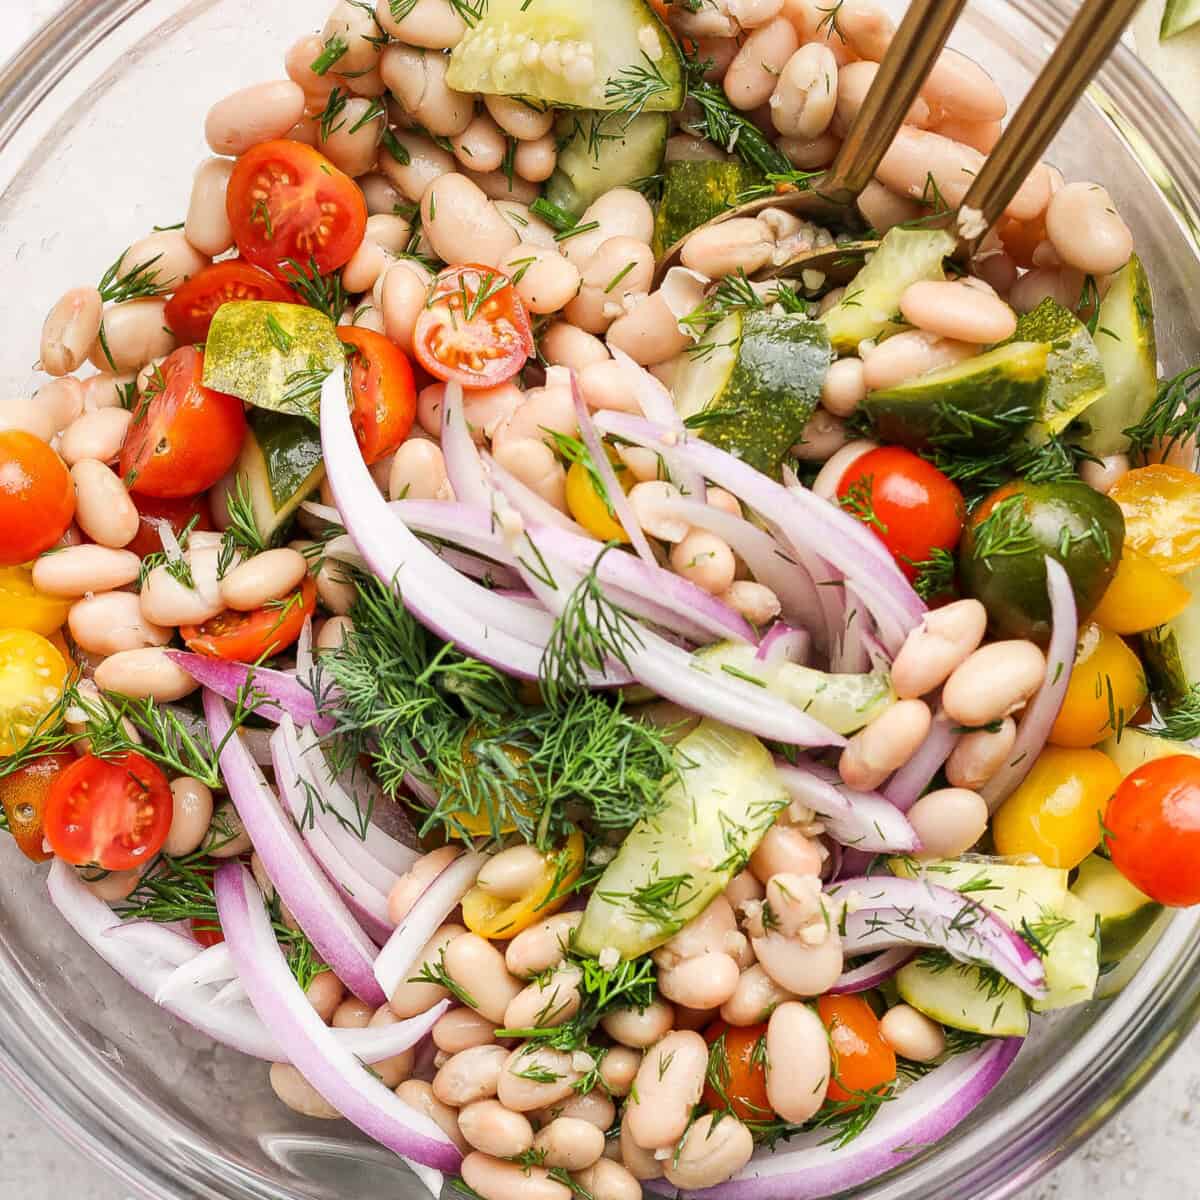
101	119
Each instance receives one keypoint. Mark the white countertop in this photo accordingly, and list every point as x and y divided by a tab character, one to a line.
1148	1153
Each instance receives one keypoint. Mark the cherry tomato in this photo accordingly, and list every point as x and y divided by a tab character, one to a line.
862	1060
207	932
23	797
1021	238
473	329
912	507
1153	824
22	606
185	436
37	499
1107	688
288	203
249	636
113	813
737	1074
588	505
178	513
191	310
1141	596
32	673
1055	813
385	395
1161	504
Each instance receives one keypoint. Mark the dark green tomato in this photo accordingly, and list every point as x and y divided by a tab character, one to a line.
1004	548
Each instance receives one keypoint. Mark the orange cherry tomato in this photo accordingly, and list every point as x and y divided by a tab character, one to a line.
1161	504
191	310
113	813
1153	829
473	329
288	204
37	499
178	513
250	636
737	1076
862	1060
184	436
23	796
385	395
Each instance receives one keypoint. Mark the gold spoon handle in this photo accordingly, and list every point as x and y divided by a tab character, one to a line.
912	52
1086	44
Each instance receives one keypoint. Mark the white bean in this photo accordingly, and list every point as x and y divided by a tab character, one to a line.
810	155
192	813
171	256
252	115
569	1143
882	209
167	601
1086	230
621	268
705	560
430	23
756	997
706	981
481	146
648	501
268	576
512	873
417	79
639	1027
940	644
853	82
961	88
106	390
649	333
544	279
910	355
79	570
97	435
749	14
957	311
460	1029
640	1163
478	968
70	330
742	244
411	999
536	160
536	1077
495	1179
542	945
381	195
948	821
1104	475
523	121
352	144
299	1095
668	1085
805	96
619	212
912	1034
798	1062
994	682
426	162
26	415
489	1126
979	135
103	509
355	25
785	850
844	387
417	1094
544	412
463	225
135	332
419	472
712	1150
823	437
402	297
980	754
470	1075
751	77
144	674
618	1069
207	226
884	745
565	346
111	621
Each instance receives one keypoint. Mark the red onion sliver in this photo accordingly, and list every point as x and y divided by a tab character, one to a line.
871	973
314	1050
782	643
908	784
463	464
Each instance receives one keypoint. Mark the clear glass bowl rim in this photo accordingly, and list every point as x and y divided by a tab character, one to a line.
1081	1091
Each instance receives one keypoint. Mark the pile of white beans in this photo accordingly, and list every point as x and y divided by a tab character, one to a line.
801	78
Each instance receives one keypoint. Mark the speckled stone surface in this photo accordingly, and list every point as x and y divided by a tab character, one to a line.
1150	1152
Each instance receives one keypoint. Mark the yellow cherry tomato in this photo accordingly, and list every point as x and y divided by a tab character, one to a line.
32	673
472	825
1141	596
494	918
1055	814
1107	687
22	606
1161	504
588	507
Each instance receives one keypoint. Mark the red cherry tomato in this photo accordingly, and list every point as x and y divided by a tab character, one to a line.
185	436
23	796
37	499
249	636
178	514
473	329
191	310
207	932
912	507
737	1077
113	813
288	203
385	395
862	1060
1153	829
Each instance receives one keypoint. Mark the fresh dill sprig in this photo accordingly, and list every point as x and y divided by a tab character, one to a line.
242	536
734	293
304	388
1006	532
118	285
325	293
779	181
979	473
859	501
934	575
722	124
179	568
633	87
1173	417
335	49
573	450
436	973
46	735
1181	722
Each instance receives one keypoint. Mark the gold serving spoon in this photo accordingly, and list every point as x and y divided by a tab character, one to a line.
831	198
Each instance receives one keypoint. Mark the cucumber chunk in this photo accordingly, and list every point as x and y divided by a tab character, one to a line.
599	151
845	703
1125	913
1071	954
1178	16
752	384
870	307
963	997
694	193
280	465
979	403
1134	749
1172	651
606	56
1125	340
672	865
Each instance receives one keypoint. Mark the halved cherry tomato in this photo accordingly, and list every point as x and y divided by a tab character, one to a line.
288	203
1153	829
912	507
1107	688
22	606
185	436
385	395
191	310
248	636
473	329
23	797
206	932
113	813
737	1071
1161	505
37	500
1140	597
32	673
178	513
862	1060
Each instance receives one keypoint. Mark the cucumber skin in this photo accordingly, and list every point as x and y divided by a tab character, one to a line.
281	460
696	192
1167	662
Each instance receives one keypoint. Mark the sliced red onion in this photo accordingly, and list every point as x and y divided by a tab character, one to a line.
621	507
783	643
338	1075
812	1166
304	650
399	956
861	820
674	674
463	464
284	692
300	883
212	965
871	973
528	503
849	655
483	569
830	476
1042	711
883	913
908	784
